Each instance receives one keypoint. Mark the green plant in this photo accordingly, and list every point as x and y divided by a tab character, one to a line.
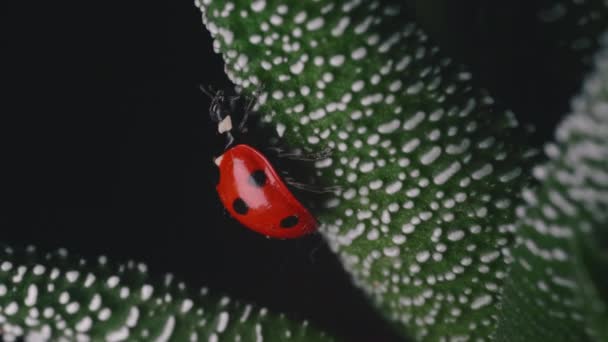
55	296
431	170
557	284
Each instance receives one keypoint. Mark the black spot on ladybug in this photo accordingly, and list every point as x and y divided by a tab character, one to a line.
258	178
289	221
240	206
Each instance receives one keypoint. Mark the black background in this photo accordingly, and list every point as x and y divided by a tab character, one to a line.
109	143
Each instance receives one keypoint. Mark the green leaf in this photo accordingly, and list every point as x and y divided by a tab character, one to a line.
558	284
430	167
55	296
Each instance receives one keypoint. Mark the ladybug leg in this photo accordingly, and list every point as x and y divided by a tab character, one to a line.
311	188
314	156
248	110
243	122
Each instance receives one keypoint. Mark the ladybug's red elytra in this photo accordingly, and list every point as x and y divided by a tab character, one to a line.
249	187
255	195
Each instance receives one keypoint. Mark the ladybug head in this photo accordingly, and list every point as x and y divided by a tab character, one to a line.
221	112
226	109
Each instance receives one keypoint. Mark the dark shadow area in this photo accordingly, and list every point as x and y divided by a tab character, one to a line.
511	52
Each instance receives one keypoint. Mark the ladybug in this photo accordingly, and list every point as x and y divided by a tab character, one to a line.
249	187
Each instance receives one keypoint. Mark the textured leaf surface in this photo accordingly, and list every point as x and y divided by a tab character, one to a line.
429	166
57	297
558	285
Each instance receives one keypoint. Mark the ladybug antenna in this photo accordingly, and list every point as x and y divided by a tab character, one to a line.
207	91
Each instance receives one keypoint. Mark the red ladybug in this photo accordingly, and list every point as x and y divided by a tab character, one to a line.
249	187
255	195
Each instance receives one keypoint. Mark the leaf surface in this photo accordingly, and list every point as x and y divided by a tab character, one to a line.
558	285
56	297
430	167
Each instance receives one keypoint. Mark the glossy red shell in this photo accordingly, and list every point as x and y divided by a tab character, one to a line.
269	206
